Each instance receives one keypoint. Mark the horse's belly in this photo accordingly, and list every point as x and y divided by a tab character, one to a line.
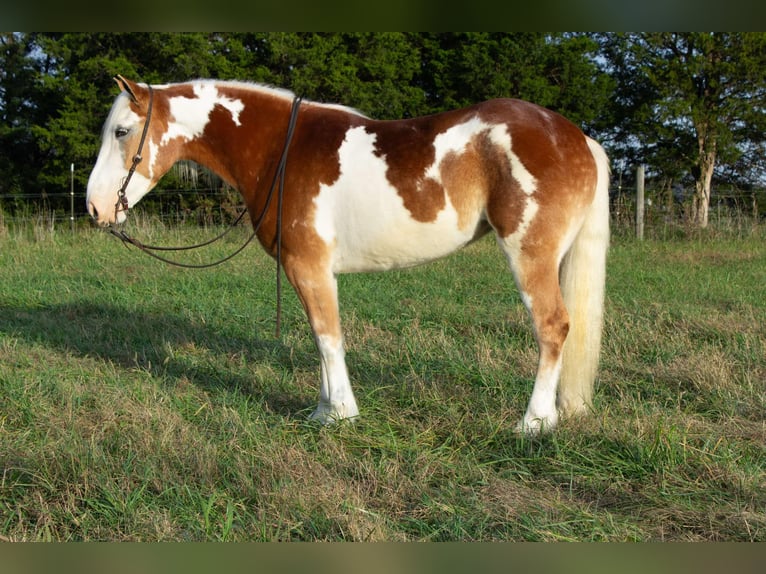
385	241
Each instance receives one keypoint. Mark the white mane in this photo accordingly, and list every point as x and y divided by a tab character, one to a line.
271	90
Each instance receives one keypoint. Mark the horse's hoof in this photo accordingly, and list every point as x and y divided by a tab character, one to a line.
535	426
328	415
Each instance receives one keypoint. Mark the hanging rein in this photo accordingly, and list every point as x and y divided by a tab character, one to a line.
279	176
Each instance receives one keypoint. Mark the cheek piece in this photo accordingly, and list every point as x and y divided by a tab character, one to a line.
122	199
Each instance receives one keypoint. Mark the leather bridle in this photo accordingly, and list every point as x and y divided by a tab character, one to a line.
122	199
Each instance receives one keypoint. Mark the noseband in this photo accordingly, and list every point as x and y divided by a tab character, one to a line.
122	199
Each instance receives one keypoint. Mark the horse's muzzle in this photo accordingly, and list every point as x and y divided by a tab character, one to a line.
103	218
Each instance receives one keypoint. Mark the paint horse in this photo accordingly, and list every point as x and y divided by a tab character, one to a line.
368	195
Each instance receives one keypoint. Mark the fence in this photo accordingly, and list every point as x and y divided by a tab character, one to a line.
208	206
665	212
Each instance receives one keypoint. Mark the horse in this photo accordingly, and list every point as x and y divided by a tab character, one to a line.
363	195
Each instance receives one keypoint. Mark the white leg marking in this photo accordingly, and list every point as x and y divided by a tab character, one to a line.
336	399
542	414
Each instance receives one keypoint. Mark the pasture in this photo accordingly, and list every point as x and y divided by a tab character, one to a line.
144	402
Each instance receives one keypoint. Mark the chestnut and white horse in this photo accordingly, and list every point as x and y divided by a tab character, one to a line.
368	195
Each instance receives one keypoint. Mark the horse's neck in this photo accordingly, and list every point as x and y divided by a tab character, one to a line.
237	145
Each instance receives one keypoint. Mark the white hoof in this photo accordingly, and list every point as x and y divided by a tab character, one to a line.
532	425
328	414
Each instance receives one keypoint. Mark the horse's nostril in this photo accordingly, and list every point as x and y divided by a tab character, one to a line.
92	210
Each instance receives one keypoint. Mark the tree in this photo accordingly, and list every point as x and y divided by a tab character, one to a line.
76	88
19	111
370	71
692	101
556	71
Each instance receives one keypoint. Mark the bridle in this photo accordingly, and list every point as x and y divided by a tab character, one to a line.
122	199
279	176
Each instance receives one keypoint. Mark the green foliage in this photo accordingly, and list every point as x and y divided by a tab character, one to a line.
681	97
555	71
20	111
370	71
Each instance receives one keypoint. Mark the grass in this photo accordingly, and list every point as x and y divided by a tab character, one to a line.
144	402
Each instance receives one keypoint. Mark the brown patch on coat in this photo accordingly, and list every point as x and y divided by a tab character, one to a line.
407	149
506	200
554	151
470	175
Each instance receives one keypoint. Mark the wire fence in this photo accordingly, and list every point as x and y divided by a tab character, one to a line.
204	206
666	213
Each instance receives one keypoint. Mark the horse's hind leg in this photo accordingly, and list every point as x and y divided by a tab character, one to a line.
318	291
537	279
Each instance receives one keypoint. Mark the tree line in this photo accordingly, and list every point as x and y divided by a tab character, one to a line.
688	105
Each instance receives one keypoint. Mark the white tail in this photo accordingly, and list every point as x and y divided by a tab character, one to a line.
582	279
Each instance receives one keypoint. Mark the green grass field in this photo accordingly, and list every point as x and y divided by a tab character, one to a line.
144	402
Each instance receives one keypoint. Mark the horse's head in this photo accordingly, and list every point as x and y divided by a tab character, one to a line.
127	127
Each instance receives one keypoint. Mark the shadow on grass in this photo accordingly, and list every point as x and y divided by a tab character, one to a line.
177	351
139	339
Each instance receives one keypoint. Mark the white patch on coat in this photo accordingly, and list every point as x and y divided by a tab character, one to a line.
190	116
363	216
456	138
500	137
453	140
512	244
528	184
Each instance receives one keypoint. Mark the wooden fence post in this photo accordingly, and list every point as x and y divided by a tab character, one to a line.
640	202
71	197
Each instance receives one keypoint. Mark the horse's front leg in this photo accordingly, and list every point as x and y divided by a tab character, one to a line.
317	289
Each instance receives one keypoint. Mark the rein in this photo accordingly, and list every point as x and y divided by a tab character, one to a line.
279	176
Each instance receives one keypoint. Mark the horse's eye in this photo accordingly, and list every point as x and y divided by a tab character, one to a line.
120	132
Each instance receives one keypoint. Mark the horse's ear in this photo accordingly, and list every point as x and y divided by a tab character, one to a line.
126	86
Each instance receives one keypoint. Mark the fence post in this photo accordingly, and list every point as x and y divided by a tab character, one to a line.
71	197
640	202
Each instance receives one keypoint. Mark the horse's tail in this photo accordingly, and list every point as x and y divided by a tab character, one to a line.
582	279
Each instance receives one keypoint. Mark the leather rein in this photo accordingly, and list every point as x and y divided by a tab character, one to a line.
279	177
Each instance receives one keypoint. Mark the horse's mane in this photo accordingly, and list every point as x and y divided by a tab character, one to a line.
272	91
